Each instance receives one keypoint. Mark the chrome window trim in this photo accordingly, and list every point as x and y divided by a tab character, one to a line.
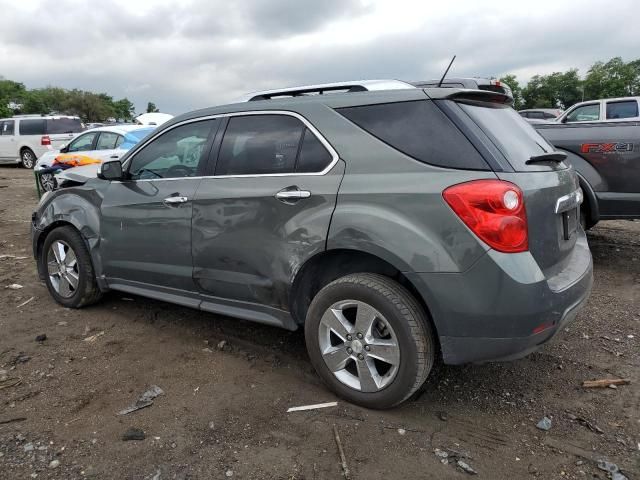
306	123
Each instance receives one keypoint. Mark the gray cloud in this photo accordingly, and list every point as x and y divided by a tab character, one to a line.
201	53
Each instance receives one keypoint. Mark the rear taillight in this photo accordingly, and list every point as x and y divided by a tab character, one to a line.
494	211
45	140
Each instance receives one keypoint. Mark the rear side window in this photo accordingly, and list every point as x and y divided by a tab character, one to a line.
516	139
63	125
418	129
625	109
268	144
31	127
109	141
6	127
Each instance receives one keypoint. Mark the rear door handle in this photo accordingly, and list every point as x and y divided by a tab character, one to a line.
292	194
171	201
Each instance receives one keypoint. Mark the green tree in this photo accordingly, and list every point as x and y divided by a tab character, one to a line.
556	90
614	78
151	108
124	109
512	82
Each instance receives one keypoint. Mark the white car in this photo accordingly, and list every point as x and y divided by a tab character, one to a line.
102	143
25	138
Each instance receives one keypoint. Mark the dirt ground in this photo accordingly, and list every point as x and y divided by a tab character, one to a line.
223	411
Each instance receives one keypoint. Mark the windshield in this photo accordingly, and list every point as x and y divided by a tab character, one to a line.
516	139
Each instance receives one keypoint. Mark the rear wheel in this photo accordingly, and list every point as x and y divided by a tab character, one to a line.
68	270
27	158
369	340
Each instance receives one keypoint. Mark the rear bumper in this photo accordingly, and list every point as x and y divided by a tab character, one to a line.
504	308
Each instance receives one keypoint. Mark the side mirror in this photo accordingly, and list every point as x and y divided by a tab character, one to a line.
110	170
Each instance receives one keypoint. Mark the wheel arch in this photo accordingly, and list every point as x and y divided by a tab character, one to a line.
329	265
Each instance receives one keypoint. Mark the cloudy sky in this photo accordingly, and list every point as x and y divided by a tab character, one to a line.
190	54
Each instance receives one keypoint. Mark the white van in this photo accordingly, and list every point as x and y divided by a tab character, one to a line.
24	138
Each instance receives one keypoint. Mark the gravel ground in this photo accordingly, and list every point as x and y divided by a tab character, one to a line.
223	410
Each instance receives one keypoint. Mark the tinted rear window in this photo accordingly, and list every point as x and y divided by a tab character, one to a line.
624	109
63	125
32	127
418	129
516	139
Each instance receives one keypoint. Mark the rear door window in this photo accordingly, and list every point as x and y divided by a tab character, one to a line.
585	113
31	126
313	156
516	139
260	144
108	141
63	125
420	130
622	109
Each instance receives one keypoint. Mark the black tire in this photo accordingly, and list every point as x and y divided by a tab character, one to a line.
408	321
87	291
48	182
27	158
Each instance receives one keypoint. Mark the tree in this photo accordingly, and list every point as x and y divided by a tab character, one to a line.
512	82
612	79
124	109
557	90
151	108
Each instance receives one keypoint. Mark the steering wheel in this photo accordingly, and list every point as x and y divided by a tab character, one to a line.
178	171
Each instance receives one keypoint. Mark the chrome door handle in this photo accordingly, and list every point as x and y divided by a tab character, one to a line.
175	200
292	194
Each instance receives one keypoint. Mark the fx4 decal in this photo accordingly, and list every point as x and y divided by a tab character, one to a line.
606	147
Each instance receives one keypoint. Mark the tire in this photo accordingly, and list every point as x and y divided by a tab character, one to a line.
48	182
65	260
393	357
27	158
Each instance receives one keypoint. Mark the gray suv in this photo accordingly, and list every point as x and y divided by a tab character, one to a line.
396	227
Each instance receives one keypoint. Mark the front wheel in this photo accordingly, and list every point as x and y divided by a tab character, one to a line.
48	182
369	340
27	158
68	270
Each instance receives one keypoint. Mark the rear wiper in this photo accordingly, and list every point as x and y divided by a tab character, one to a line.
547	157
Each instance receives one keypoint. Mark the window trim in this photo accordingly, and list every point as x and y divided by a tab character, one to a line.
334	155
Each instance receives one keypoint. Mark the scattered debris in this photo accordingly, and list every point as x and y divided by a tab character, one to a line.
133	434
402	431
11	257
54	464
612	470
343	460
544	424
585	422
228	473
605	382
12	420
312	407
10	382
466	467
20	358
25	302
41	338
442	455
443	416
222	344
93	338
145	400
14	286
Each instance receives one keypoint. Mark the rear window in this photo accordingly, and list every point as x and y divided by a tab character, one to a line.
31	127
63	125
624	109
420	130
516	139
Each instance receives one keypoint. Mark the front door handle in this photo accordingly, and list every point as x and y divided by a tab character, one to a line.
292	194
171	201
115	157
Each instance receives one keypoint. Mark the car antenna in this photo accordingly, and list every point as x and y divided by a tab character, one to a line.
446	71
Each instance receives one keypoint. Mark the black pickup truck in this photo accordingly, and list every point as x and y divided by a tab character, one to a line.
602	141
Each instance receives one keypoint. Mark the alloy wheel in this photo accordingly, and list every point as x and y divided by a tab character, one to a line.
48	182
359	346
28	159
62	265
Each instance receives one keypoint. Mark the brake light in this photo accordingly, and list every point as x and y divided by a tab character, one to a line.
494	211
45	140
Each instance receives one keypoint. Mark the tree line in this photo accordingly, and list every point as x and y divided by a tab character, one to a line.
614	78
15	98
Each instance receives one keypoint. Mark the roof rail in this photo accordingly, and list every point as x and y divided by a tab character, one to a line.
29	115
346	87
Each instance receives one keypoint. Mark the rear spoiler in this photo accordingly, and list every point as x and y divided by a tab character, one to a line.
470	96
